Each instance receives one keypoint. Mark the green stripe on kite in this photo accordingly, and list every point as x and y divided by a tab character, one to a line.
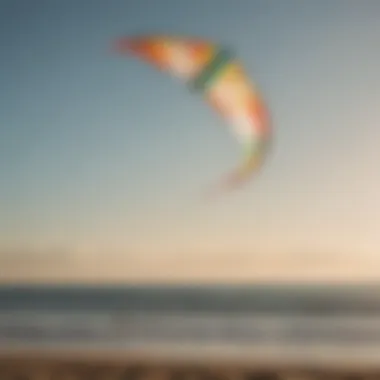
212	70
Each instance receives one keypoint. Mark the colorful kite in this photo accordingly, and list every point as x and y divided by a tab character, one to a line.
216	73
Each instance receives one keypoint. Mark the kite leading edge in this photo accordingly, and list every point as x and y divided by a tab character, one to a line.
216	73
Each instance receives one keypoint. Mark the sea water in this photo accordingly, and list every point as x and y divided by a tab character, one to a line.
298	320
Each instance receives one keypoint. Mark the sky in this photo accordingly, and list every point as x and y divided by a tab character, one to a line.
103	159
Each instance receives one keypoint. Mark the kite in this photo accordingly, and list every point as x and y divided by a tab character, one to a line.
213	71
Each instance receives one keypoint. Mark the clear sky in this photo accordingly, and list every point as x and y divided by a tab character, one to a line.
102	156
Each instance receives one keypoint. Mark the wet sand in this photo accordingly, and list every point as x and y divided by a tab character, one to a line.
52	366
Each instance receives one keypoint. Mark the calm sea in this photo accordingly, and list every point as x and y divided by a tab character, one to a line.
277	317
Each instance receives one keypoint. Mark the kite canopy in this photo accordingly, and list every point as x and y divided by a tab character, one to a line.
215	72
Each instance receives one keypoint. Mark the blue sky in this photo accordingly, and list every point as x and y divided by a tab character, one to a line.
101	154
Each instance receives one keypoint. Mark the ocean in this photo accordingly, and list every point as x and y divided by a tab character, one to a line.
299	320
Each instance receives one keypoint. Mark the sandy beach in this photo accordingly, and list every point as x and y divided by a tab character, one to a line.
81	365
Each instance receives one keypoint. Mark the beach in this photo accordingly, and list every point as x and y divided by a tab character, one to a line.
54	366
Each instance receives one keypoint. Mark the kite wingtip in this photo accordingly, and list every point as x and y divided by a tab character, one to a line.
122	45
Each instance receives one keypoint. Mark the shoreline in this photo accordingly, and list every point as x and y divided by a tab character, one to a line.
81	365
